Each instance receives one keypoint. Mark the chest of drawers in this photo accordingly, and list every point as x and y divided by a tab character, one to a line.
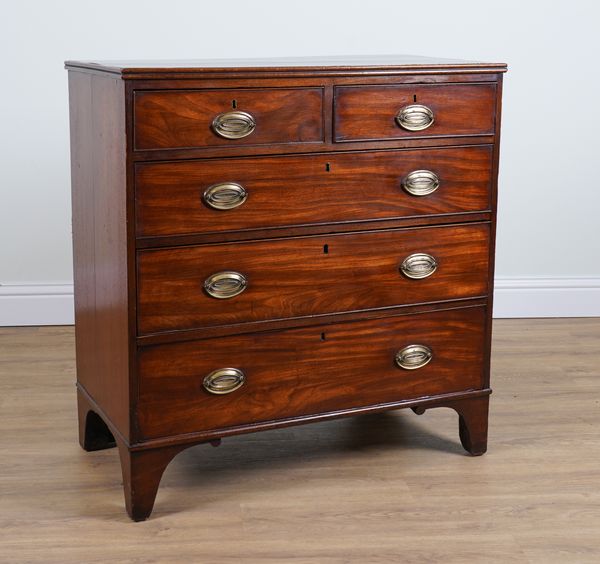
267	243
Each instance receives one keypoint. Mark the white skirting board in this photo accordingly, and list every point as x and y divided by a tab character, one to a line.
33	304
52	304
546	297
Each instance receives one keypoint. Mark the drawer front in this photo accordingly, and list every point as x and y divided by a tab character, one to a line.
376	112
308	371
179	198
305	276
177	119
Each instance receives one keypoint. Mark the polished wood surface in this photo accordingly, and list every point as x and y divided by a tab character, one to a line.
343	65
100	251
183	118
313	370
276	324
305	230
309	189
290	278
334	262
389	487
369	112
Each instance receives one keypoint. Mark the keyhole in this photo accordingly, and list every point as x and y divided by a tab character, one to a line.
326	249
322	336
415	98
234	104
327	167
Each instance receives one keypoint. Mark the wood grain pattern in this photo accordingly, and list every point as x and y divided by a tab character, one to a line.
153	155
290	278
311	370
373	67
305	239
304	190
276	324
305	230
183	118
100	249
368	112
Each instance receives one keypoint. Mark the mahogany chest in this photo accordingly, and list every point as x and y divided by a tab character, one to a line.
268	243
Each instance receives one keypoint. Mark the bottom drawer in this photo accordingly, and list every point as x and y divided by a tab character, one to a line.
306	371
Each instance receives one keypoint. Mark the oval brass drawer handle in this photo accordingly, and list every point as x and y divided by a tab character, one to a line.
418	265
415	117
225	196
224	381
233	125
412	357
227	284
421	182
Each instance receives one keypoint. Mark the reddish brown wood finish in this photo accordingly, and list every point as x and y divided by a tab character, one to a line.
472	420
183	118
330	146
306	371
315	330
100	249
405	67
290	278
305	230
276	324
307	190
142	471
369	112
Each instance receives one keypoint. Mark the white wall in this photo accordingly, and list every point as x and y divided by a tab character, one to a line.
548	235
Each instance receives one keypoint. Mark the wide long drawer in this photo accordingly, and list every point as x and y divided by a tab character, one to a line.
212	285
238	380
178	198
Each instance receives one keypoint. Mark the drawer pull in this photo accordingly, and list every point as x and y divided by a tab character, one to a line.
421	182
225	196
224	381
418	265
227	284
412	357
233	125
415	117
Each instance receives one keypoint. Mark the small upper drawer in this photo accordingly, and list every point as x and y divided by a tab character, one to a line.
184	197
377	113
179	119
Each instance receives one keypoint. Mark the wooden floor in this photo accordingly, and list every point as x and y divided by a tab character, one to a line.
384	488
